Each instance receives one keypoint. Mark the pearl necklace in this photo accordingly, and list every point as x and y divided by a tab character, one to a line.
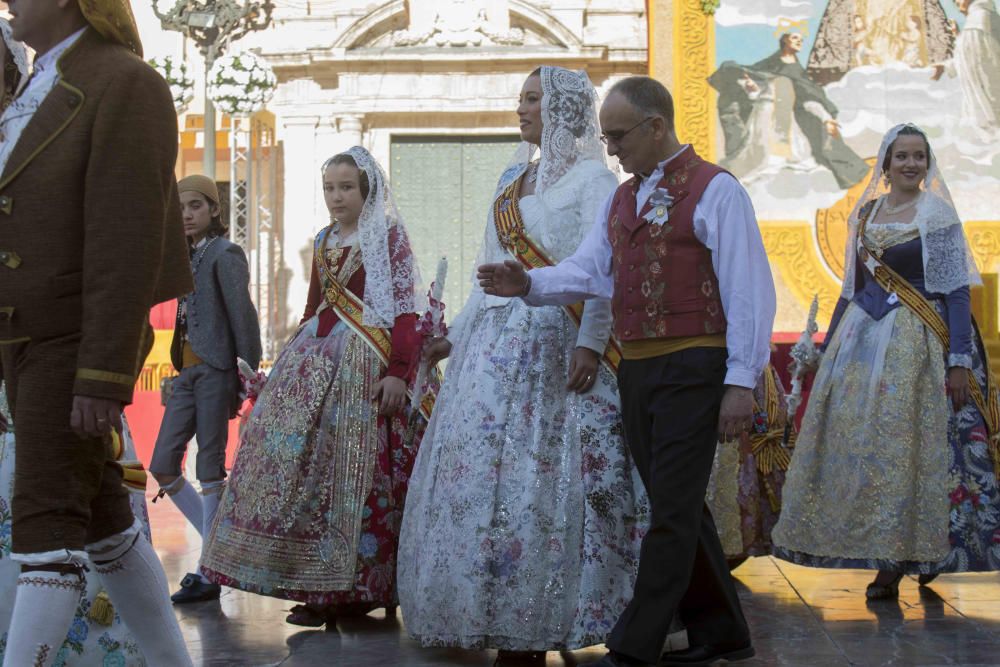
893	210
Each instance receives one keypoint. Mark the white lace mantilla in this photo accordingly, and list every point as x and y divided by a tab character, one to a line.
948	261
392	279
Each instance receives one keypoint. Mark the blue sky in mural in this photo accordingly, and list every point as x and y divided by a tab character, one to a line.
749	43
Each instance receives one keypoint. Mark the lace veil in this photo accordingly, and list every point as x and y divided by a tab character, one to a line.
570	129
392	278
570	135
948	261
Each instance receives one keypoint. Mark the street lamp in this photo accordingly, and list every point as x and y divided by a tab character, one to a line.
213	25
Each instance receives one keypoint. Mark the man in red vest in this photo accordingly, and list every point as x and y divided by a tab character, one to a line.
677	250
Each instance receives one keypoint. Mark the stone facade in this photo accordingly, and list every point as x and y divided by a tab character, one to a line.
356	72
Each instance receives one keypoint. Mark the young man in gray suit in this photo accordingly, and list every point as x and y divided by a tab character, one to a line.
216	323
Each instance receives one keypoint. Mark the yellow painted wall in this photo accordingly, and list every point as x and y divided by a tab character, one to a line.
807	254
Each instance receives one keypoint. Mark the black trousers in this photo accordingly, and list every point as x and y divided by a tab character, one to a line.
670	407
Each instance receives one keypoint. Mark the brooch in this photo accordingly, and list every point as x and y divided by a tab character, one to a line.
660	202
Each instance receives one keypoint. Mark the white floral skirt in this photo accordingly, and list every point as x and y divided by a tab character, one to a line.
524	515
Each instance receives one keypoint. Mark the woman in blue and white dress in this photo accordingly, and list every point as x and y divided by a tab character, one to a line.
895	465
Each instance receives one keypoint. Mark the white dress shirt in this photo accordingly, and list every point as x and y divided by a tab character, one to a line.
20	112
725	222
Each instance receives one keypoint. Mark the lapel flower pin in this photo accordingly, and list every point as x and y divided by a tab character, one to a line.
660	202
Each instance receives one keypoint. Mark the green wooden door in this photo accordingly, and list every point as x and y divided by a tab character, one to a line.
444	187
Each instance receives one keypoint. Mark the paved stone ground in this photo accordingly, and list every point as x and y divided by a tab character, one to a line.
797	615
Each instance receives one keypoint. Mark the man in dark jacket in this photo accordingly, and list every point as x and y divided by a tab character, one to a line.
90	239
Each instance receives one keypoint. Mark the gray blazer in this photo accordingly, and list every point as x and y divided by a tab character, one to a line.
221	320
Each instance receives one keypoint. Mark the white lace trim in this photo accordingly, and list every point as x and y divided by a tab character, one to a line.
896	226
960	360
17	50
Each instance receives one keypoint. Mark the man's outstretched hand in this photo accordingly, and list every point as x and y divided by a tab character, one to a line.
507	279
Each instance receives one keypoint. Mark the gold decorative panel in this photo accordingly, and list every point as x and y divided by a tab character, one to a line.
792	252
694	61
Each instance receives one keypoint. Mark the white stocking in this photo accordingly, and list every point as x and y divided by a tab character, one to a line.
44	607
188	501
137	586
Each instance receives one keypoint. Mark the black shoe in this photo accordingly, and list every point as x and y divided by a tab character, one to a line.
193	589
613	659
519	659
925	579
735	562
306	616
887	591
707	654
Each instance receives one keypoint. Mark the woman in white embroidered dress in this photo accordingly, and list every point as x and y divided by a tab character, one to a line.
524	516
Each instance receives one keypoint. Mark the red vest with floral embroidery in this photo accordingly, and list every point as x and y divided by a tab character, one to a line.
665	286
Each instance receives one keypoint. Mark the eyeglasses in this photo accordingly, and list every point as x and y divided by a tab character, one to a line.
617	136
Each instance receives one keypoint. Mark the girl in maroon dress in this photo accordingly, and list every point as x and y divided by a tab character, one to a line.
313	506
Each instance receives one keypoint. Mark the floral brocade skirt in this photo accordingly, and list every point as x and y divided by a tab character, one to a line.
525	516
312	509
885	474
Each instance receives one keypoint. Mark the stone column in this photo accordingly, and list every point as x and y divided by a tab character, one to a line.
328	144
302	216
350	131
308	141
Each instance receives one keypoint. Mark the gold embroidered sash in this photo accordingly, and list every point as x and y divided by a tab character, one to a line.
512	236
892	282
350	309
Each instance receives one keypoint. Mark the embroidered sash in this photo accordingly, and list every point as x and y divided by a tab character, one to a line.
350	309
892	282
512	236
